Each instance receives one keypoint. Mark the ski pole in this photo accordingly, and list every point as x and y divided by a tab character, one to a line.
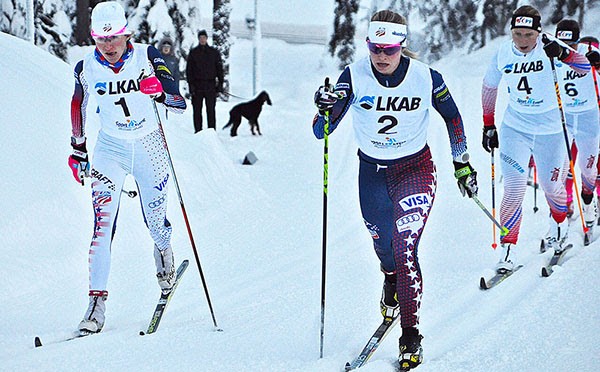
131	193
535	187
185	217
493	171
564	126
594	72
503	230
324	248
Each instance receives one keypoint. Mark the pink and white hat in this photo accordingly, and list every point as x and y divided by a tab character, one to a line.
108	19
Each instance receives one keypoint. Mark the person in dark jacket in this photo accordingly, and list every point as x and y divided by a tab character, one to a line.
165	46
205	78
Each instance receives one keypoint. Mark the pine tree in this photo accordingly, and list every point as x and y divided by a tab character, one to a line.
344	29
12	18
567	9
137	12
221	38
53	28
496	16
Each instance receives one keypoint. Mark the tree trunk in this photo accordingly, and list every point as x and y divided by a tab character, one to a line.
82	25
30	22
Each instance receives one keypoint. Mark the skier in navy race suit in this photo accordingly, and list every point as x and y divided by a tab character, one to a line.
391	95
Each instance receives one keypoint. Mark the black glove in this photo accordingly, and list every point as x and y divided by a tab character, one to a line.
554	50
325	98
594	57
466	178
490	138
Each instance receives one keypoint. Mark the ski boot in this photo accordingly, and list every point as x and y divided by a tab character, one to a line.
506	262
556	236
165	268
411	352
590	214
93	321
390	308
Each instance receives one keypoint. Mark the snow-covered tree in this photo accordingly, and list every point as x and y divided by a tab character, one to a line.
12	17
496	15
403	7
344	29
53	28
566	9
222	38
153	20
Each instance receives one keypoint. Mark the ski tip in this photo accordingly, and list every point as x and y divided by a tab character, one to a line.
142	333
482	284
545	272
37	342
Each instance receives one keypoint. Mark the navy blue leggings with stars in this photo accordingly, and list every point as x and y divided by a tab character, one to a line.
395	199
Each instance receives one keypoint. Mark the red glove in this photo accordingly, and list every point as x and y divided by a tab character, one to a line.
78	162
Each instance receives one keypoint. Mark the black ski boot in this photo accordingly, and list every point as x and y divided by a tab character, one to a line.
411	352
390	308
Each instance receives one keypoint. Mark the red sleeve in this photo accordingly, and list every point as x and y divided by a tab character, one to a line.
488	103
78	105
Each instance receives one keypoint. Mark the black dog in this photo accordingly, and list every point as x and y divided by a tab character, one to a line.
250	110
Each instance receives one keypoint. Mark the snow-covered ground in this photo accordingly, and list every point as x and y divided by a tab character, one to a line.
258	233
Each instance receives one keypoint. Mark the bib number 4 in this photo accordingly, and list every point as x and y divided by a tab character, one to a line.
523	85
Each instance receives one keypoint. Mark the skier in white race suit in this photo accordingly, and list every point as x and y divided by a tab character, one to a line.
581	114
532	124
123	77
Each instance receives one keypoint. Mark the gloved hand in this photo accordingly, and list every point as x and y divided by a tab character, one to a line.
466	178
490	138
325	98
152	87
553	49
78	162
594	57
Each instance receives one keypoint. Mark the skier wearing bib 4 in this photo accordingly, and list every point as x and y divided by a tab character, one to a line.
531	124
124	78
391	96
582	117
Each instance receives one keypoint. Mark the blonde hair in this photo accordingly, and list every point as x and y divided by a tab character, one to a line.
393	17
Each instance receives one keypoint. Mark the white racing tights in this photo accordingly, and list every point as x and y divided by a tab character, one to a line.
146	160
549	152
585	128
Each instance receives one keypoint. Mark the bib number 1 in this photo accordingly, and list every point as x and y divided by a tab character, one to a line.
123	105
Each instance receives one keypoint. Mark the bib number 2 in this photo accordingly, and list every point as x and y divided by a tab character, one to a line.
392	122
